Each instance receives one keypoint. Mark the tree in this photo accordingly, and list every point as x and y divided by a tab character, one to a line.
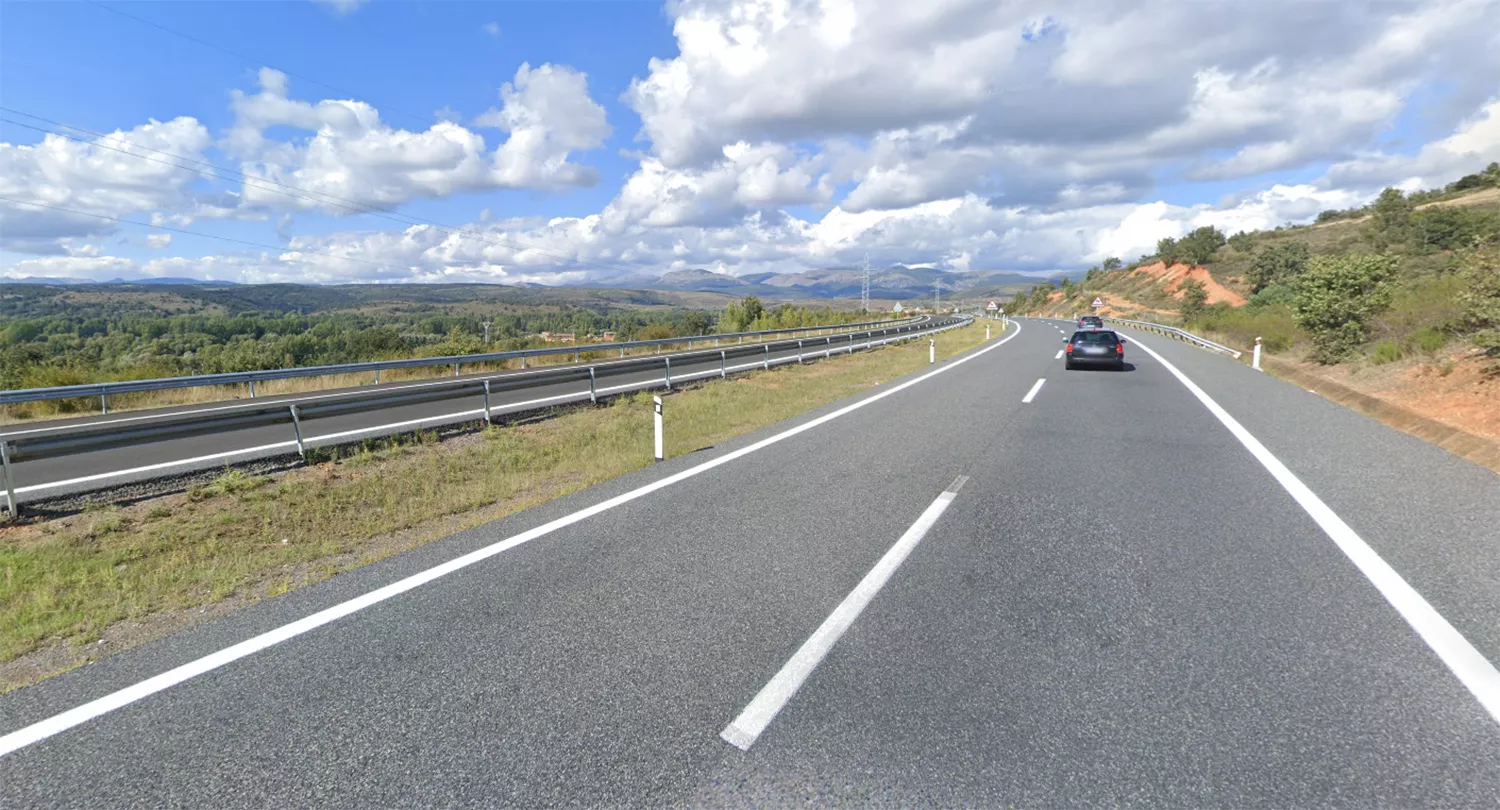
1276	264
1111	264
1200	245
1167	250
1336	297
1391	212
751	308
695	323
1194	299
1481	300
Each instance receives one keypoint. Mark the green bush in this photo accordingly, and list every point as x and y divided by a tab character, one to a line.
1386	351
1429	339
1336	299
1273	323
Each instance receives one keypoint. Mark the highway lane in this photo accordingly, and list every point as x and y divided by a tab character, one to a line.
80	472
1184	637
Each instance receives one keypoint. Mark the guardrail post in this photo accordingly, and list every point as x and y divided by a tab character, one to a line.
577	355
657	402
12	508
1255	362
723	366
523	361
297	430
669	372
377	377
487	419
455	369
622	351
593	392
104	403
252	385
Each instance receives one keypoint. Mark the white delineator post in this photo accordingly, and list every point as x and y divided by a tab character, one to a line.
657	401
1255	361
931	350
986	331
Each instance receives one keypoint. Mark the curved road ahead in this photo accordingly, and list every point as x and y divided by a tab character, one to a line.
965	588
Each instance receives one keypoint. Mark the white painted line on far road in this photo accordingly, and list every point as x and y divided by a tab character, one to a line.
1059	355
1473	670
773	697
41	730
503	408
1030	395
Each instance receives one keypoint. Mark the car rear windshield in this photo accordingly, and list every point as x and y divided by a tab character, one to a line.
1095	337
1091	319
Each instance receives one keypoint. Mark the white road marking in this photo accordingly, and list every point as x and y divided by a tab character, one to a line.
1470	666
773	697
1059	355
59	723
1030	395
394	426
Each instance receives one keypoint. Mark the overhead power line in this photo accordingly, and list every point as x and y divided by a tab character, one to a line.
427	120
275	187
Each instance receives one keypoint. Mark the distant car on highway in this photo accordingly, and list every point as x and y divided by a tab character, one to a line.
1095	347
1091	322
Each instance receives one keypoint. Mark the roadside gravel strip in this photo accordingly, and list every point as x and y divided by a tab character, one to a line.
82	714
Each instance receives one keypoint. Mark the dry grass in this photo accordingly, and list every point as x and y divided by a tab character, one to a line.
244	537
146	400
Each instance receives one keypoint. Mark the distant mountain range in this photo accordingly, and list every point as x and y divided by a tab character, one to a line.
76	282
898	282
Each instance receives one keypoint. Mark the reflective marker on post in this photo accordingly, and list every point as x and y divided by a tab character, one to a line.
657	400
10	486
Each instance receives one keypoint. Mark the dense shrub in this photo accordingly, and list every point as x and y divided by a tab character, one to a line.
1337	296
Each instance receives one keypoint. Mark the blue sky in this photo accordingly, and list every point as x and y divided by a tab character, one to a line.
741	140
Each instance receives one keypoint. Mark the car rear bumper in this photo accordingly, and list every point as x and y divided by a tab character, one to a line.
1096	360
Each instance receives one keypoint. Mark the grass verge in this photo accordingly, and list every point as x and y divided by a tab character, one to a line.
80	587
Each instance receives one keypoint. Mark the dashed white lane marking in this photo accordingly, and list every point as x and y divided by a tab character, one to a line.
1059	355
763	708
43	729
1473	670
1030	395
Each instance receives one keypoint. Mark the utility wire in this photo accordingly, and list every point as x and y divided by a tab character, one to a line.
266	184
248	59
204	235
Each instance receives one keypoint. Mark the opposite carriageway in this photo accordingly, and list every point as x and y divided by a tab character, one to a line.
62	459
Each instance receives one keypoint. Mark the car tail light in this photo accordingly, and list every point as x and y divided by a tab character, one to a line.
1119	348
1068	348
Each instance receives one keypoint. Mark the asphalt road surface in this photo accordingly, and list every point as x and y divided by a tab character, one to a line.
84	471
933	594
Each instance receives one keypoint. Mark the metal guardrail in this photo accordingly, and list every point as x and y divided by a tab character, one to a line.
90	437
250	378
1172	331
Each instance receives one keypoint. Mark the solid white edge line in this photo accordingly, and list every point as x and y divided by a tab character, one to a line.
745	729
59	723
1030	395
440	419
1470	666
